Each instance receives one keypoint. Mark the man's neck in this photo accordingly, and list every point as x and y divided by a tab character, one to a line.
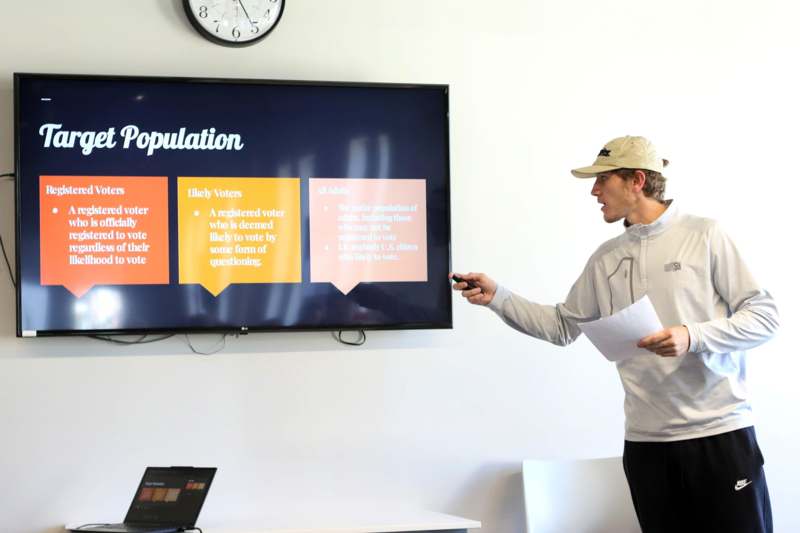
646	212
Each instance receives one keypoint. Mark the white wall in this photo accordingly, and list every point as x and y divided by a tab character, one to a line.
438	419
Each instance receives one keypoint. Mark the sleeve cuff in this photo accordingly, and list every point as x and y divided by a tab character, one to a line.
500	296
695	345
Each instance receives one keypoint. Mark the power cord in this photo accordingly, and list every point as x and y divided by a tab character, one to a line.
141	340
8	264
144	340
9	176
220	344
362	338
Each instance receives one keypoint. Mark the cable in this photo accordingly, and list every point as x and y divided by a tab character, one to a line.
8	264
362	338
141	340
10	176
91	525
211	352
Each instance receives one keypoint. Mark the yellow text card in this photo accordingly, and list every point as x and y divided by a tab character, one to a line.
238	230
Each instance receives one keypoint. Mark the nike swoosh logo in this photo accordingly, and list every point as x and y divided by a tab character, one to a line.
740	485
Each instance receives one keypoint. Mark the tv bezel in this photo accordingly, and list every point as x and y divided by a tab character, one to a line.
243	329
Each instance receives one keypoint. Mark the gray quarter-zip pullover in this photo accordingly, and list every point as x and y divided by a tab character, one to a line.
695	277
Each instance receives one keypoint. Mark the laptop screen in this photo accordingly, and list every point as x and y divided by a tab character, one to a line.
170	496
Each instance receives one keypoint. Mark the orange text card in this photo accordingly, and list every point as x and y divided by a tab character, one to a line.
238	230
103	230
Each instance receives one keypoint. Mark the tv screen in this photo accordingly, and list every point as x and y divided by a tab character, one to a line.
171	204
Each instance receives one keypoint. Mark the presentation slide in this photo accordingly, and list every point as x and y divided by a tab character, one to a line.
172	204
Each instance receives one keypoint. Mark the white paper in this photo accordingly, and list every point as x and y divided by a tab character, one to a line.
616	335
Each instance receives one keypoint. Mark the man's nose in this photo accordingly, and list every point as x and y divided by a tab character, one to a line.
596	188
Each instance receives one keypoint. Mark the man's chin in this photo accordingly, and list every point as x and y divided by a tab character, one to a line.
611	218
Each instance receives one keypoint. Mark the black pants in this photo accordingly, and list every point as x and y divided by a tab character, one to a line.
712	484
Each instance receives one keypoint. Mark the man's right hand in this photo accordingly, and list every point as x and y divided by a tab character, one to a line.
483	290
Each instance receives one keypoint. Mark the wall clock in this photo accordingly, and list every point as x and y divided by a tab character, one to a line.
234	22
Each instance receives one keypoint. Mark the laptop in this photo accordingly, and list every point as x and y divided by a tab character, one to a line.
168	500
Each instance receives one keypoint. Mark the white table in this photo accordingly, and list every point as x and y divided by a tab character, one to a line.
363	521
366	520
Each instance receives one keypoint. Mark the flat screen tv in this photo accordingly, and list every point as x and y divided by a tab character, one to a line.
148	204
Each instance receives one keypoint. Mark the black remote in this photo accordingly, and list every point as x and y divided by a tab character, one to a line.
470	284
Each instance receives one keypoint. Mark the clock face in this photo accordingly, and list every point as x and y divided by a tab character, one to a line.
234	22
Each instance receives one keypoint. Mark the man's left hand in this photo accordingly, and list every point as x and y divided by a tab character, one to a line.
670	342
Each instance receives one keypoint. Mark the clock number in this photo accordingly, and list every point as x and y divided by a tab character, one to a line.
254	28
203	12
236	33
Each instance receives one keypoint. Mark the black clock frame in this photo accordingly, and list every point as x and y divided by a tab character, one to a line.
216	40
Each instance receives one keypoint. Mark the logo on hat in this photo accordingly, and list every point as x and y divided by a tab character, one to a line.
604	153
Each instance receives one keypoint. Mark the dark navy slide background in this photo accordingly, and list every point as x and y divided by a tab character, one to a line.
289	130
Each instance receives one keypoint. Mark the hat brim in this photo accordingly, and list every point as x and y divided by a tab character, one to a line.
592	171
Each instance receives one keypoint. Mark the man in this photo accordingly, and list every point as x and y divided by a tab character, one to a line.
690	456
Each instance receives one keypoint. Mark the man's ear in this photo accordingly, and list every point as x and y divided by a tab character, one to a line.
638	180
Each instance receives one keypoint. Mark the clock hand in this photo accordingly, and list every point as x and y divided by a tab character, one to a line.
246	14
